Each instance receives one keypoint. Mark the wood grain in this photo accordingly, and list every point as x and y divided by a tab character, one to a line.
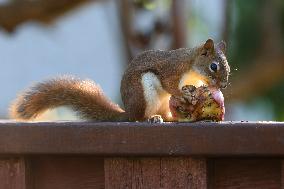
166	173
59	172
245	174
282	174
143	139
12	173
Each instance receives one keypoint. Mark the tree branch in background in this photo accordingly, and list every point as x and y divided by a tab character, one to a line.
226	20
17	12
157	33
125	14
179	24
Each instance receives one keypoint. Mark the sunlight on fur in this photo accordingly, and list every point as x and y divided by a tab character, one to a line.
58	114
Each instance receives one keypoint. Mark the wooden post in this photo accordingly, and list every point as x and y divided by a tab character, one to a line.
166	173
246	173
12	173
282	174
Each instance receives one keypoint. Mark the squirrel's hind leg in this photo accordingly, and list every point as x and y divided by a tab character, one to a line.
144	99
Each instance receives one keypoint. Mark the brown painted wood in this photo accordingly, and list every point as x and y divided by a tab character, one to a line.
12	173
184	173
282	174
245	174
61	172
143	139
166	173
132	172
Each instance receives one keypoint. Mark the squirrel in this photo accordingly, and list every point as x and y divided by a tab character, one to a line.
146	86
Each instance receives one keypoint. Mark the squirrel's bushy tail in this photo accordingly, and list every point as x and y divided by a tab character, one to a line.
83	96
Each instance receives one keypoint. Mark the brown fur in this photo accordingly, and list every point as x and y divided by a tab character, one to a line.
169	67
87	99
83	96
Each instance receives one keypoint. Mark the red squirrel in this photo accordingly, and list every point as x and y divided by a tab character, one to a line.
146	86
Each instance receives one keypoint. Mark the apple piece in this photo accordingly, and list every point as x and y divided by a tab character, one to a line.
195	104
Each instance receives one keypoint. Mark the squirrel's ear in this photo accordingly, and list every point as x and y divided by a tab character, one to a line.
209	44
222	46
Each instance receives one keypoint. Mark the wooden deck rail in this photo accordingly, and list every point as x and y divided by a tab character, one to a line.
85	155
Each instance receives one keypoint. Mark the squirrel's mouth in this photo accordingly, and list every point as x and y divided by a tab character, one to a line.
219	85
223	85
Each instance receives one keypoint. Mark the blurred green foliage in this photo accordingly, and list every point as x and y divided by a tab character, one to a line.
246	38
245	44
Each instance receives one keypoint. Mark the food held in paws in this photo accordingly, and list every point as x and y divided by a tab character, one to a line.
195	104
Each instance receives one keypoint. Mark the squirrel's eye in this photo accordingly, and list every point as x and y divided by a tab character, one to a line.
214	67
204	53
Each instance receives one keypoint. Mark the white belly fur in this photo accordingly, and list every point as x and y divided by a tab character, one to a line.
154	94
156	97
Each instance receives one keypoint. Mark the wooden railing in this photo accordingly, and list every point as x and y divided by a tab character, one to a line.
85	155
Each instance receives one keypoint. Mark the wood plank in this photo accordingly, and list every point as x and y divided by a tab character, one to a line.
63	172
166	173
282	174
12	173
184	173
143	139
245	174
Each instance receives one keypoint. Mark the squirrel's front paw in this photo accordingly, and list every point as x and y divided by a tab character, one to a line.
155	119
190	93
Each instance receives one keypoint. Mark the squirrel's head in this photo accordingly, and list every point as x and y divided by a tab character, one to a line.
211	62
